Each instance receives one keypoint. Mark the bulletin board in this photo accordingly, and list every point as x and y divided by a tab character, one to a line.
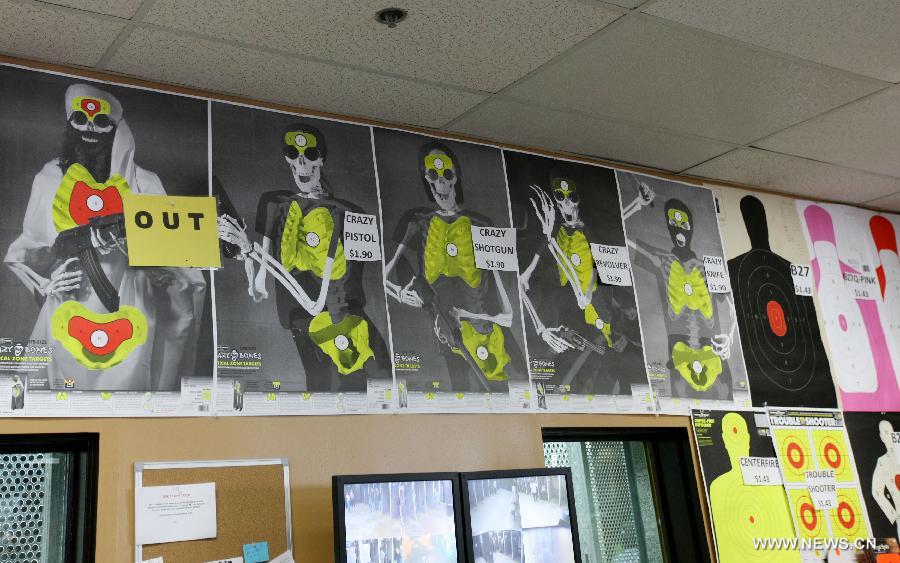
252	505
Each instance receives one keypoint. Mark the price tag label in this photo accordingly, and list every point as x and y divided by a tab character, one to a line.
863	286
803	281
613	265
495	248
361	237
895	440
716	274
760	471
822	488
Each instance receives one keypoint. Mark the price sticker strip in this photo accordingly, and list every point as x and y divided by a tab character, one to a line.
361	240
819	473
716	274
495	248
801	274
613	265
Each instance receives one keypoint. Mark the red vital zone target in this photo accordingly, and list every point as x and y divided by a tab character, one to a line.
87	202
100	339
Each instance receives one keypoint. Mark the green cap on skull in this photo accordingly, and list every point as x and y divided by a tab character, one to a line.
563	187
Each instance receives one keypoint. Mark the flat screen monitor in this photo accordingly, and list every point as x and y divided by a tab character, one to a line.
521	516
401	518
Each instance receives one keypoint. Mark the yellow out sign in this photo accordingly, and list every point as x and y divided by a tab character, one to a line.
177	231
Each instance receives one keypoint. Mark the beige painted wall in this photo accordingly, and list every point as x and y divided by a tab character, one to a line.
317	447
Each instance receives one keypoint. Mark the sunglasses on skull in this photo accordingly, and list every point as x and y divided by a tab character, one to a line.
446	173
561	196
81	118
309	153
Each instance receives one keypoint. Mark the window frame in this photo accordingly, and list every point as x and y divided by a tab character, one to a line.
83	474
674	480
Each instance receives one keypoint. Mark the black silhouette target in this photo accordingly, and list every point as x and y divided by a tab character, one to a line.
783	352
775	330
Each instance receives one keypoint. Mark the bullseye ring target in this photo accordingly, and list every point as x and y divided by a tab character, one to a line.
794	454
809	522
831	453
847	519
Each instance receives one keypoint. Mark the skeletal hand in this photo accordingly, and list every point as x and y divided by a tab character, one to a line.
63	281
409	296
555	341
442	338
104	244
257	290
646	193
721	344
234	232
546	214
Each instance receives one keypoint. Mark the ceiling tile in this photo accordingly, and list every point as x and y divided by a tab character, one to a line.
158	55
666	75
856	35
119	8
864	134
480	45
53	35
891	202
514	122
798	176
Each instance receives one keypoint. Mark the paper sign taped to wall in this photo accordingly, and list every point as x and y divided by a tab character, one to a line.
175	513
495	248
174	231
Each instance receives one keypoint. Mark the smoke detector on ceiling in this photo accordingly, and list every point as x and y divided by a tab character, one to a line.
390	16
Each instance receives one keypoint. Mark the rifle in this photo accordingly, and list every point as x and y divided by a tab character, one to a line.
77	242
578	341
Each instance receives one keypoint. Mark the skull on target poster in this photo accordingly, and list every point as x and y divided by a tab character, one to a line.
83	333
743	484
856	276
450	275
771	280
301	318
819	473
581	319
692	345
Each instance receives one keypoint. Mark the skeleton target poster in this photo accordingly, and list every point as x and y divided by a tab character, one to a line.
743	484
583	333
456	328
84	333
691	342
854	265
302	324
771	280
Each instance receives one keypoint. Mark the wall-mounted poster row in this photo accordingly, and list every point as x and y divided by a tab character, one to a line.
370	270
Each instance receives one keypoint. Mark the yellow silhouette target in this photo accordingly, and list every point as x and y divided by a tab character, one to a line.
741	512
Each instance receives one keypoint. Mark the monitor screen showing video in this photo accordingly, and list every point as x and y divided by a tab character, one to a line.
520	519
400	522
